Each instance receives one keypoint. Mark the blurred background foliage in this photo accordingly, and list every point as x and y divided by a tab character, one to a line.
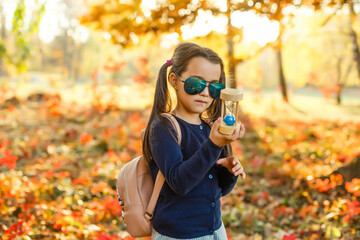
265	44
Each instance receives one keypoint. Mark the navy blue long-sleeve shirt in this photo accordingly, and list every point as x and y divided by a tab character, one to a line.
189	202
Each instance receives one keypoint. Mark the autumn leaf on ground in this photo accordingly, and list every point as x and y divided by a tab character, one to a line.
256	162
353	209
86	137
62	174
112	206
322	185
102	236
5	142
332	232
353	187
289	237
14	230
8	159
48	174
101	187
136	123
283	211
82	181
125	157
307	211
70	190
326	184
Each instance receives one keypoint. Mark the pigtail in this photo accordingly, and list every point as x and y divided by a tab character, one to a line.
162	103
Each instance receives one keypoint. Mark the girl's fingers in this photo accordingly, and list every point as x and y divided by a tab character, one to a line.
239	132
221	161
242	131
233	165
233	136
237	167
225	160
217	124
240	172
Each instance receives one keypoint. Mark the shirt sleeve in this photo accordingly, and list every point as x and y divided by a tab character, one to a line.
227	180
181	174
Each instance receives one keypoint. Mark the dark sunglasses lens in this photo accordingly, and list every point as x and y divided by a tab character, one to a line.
215	89
194	86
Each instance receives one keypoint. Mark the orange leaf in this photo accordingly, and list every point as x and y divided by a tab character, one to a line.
11	108
342	157
353	187
322	185
5	142
8	159
129	238
112	206
326	184
62	174
48	174
353	208
86	137
309	209
282	210
125	157
82	181
100	187
136	117
102	236
336	179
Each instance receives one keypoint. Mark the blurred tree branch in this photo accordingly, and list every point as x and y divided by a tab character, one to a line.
125	22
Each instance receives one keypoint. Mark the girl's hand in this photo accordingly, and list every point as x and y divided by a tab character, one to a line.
233	165
221	139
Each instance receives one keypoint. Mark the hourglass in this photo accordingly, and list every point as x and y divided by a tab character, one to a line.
229	109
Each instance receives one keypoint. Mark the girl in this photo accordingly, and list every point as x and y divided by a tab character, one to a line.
201	169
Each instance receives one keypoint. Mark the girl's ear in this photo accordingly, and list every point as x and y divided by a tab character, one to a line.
173	80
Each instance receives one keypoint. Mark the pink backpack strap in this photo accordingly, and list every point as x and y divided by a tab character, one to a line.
160	179
175	124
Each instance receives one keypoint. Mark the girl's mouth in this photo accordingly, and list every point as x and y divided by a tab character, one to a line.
201	102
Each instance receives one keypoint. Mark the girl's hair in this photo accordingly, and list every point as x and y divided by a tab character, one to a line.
183	53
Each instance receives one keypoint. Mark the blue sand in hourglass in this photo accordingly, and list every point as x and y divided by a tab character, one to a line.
229	119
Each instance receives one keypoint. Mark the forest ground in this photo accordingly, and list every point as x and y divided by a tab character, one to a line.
61	154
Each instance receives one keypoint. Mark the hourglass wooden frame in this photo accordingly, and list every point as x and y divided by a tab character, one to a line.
231	95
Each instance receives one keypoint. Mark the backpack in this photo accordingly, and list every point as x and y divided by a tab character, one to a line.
137	193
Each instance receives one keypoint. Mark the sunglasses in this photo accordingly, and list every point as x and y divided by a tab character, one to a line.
195	86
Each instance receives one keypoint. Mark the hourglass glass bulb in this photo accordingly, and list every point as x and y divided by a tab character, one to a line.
229	119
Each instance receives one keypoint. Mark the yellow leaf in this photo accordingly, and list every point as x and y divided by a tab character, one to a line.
68	200
332	232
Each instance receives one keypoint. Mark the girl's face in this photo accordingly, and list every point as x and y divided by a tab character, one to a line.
202	68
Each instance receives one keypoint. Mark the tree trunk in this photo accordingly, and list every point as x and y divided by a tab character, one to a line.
281	70
76	60
338	81
353	37
338	94
231	67
230	44
282	77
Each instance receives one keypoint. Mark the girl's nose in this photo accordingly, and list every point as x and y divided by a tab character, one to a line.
205	92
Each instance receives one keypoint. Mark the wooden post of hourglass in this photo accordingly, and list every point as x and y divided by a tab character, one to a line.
230	95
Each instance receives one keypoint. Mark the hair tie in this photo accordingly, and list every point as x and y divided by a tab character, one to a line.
169	62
